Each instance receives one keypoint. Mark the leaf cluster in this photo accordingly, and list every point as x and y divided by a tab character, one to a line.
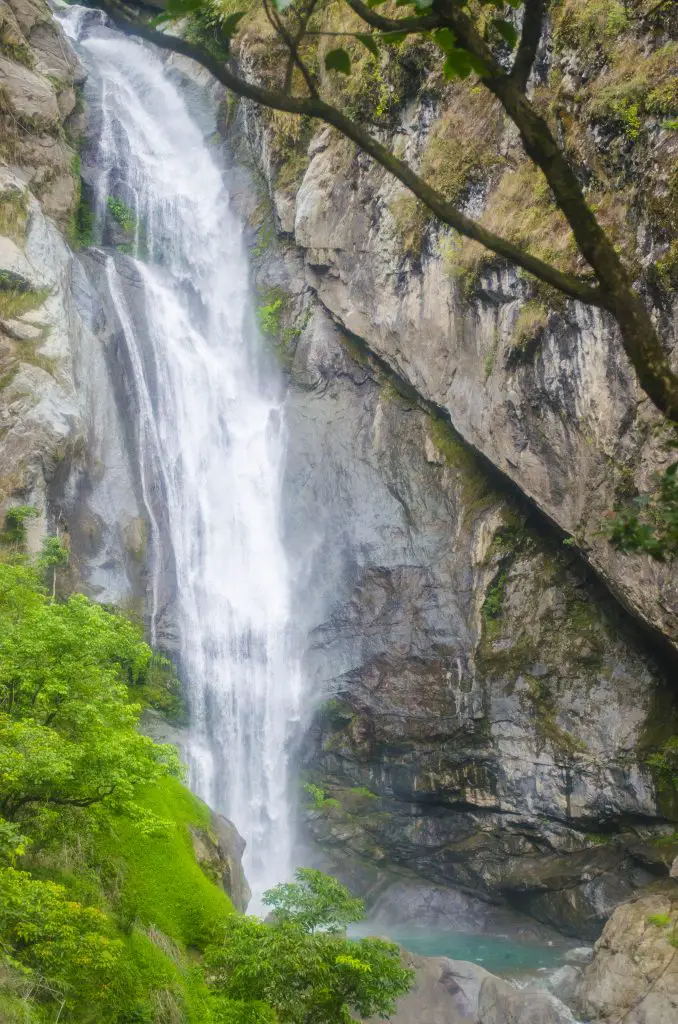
649	524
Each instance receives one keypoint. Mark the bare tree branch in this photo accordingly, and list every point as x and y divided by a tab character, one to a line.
316	108
639	337
421	24
615	293
533	24
288	39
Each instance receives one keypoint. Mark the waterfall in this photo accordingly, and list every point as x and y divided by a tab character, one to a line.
210	433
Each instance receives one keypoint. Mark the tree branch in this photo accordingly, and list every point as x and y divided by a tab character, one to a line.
639	337
422	24
533	23
318	109
290	42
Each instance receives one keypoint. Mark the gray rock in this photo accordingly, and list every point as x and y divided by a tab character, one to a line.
20	331
29	96
563	982
634	973
579	956
218	850
456	992
500	1003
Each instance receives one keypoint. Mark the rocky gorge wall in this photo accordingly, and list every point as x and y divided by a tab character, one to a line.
480	708
63	448
487	708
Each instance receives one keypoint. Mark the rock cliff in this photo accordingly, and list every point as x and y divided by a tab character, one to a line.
483	709
62	447
488	706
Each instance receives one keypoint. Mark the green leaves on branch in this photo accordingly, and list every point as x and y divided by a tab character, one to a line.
314	901
507	31
369	42
649	525
67	726
338	60
458	63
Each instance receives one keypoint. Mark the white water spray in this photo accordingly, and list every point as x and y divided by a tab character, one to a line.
211	442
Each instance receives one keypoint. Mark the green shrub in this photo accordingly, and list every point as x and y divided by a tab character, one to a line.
121	213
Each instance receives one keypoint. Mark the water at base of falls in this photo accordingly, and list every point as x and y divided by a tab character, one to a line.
210	434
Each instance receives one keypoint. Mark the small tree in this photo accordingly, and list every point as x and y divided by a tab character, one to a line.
54	554
302	965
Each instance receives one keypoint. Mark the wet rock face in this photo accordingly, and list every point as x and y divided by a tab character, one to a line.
39	73
59	425
483	700
484	708
40	426
567	423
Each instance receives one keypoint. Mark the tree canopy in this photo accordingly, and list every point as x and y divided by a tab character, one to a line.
106	917
301	964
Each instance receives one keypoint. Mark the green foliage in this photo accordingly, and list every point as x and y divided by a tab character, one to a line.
659	920
314	901
269	315
50	934
664	764
649	524
494	599
121	213
67	728
338	60
668	924
160	883
14	300
13	213
16	517
301	965
319	799
99	927
81	226
54	553
104	910
159	687
666	268
477	494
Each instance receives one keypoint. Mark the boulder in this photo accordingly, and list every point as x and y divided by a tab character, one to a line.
579	956
457	992
219	850
27	95
634	973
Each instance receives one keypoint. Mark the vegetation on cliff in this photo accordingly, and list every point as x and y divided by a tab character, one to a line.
105	914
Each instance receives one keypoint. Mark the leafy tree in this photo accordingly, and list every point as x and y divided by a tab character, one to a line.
54	554
67	726
315	901
474	37
45	933
302	965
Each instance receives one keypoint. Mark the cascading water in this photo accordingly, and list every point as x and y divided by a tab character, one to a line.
211	443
